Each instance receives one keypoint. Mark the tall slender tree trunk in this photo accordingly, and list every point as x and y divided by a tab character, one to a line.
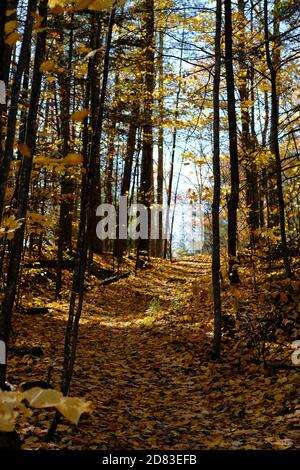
146	185
274	142
263	191
120	244
233	199
173	152
3	6
274	211
247	140
67	182
160	162
11	7
77	292
217	188
5	63
96	138
94	81
14	101
25	173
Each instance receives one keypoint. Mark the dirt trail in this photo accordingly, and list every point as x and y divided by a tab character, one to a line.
140	361
144	361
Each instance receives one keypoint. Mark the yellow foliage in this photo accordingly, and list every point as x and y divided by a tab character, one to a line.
24	150
69	160
99	5
73	159
38	20
36	223
45	162
47	66
11	26
80	115
51	79
83	4
10	12
12	39
56	3
12	403
10	225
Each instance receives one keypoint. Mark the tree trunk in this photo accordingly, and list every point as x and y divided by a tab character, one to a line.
233	200
94	81
274	143
25	173
14	102
120	244
96	139
3	7
247	141
160	163
217	188
67	183
146	185
77	292
174	142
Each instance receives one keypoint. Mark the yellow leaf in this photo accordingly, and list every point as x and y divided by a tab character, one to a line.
40	30
56	3
24	150
98	5
11	26
51	79
9	192
7	420
38	20
46	162
10	12
73	159
10	225
37	17
40	398
38	218
83	4
12	39
12	403
47	66
80	115
280	444
101	4
72	408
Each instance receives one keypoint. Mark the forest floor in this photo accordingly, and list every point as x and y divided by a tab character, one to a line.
144	360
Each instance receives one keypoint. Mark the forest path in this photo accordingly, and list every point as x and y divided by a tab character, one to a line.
144	361
141	363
